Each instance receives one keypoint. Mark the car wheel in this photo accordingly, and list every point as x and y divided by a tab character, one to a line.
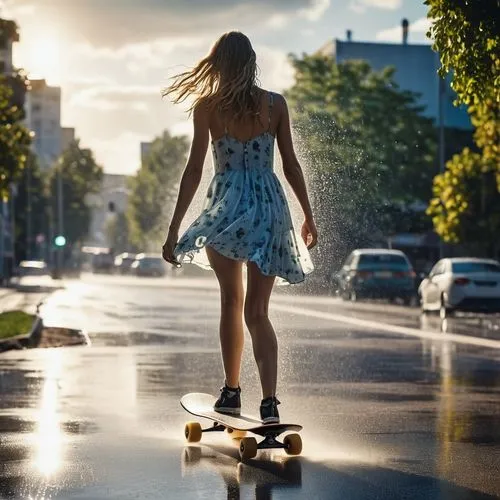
423	309
444	312
407	301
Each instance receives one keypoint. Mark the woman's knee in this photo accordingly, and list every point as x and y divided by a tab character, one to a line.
255	314
231	299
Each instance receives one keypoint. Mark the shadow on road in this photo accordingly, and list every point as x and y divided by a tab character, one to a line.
299	477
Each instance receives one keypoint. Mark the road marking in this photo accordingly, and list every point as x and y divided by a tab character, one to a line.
401	330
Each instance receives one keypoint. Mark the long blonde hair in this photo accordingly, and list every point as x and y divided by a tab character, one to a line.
226	79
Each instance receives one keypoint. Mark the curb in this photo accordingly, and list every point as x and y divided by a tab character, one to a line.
24	341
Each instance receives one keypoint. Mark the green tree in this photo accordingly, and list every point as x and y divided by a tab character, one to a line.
117	230
31	209
368	150
466	36
15	138
467	203
154	190
81	175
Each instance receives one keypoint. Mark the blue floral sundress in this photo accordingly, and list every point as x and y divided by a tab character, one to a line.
246	215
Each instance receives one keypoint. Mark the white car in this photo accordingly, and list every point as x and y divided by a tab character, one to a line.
33	275
461	284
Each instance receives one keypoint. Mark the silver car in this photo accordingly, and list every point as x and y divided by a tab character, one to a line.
461	284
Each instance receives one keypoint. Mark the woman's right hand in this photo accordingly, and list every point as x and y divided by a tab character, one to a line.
309	233
168	248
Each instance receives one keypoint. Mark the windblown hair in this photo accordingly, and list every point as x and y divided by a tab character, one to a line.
226	79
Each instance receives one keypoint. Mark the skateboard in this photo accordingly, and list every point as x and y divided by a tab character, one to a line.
237	426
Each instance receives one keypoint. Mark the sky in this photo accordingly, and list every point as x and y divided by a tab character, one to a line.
112	57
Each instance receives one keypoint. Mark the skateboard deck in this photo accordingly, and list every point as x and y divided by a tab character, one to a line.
201	405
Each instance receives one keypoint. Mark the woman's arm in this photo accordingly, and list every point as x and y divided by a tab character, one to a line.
293	173
190	179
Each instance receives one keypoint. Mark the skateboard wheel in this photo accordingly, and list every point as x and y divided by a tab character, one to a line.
248	447
192	431
293	444
235	434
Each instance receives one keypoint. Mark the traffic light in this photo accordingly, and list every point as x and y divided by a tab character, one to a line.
60	241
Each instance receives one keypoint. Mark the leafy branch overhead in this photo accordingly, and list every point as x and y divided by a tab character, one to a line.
466	35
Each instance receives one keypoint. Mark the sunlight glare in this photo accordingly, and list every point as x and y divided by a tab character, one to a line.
44	60
49	434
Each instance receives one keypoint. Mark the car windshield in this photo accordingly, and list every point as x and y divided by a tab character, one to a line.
390	260
475	267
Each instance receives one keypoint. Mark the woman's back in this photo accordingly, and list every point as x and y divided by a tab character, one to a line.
246	143
265	120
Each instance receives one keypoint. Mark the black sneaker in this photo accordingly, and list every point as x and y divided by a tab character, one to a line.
229	401
269	411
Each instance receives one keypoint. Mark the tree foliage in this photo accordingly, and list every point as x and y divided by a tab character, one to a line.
466	34
466	206
369	152
154	190
117	232
81	175
15	139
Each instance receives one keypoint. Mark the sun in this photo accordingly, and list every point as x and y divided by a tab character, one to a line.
44	60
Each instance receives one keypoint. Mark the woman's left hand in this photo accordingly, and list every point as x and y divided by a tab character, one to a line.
169	247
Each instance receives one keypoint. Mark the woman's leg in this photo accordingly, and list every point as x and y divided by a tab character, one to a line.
228	272
265	345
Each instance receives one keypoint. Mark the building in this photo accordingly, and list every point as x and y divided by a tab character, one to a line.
43	117
67	137
111	199
416	70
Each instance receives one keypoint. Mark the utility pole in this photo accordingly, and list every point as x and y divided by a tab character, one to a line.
13	194
29	226
60	222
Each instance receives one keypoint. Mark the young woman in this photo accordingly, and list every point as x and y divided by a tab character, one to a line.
246	218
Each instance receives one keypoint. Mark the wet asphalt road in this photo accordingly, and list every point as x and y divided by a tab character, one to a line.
392	406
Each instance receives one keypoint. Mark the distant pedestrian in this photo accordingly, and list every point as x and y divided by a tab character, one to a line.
246	218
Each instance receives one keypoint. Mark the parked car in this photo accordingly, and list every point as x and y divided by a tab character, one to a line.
33	275
377	273
123	262
33	268
149	265
461	284
102	262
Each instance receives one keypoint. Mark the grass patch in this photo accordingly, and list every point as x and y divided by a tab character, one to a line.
14	323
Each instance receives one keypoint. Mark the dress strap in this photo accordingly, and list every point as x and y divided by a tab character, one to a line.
270	111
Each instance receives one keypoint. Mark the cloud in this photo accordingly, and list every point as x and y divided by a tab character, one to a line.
114	23
315	11
11	9
276	71
420	27
109	97
120	155
151	53
361	6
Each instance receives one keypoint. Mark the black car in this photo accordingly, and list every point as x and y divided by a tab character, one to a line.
377	273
